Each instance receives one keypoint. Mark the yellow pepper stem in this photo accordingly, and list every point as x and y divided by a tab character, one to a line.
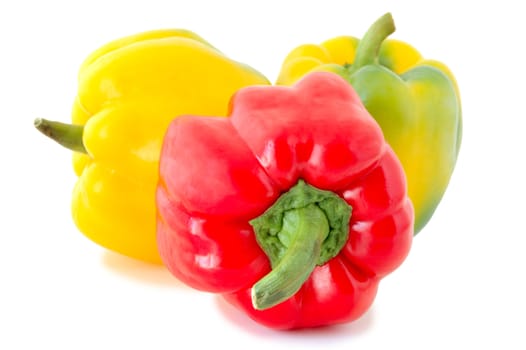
367	50
67	135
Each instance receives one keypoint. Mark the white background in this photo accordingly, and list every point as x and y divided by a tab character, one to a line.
462	285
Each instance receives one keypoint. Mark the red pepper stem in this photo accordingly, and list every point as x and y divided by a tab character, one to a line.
67	135
369	46
308	227
305	227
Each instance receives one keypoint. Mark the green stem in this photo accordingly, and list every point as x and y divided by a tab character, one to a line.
367	51
308	228
67	135
305	227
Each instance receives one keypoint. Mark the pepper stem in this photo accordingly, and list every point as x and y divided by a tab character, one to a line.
67	135
368	47
305	227
308	228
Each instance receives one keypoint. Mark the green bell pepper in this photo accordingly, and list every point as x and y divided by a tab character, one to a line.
416	102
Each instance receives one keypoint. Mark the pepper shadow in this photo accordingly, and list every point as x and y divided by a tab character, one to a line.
325	334
139	271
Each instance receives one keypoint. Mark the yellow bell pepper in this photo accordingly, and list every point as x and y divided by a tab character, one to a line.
416	101
129	91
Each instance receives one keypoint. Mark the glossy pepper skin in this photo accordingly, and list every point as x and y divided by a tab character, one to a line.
416	101
293	208
128	92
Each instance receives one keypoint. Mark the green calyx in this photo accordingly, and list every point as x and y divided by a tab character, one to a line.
305	227
369	46
67	135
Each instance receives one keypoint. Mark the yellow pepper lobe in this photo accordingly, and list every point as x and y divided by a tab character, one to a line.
137	38
342	49
398	56
129	90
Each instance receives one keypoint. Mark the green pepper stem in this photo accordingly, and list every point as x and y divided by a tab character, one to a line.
306	228
367	50
67	135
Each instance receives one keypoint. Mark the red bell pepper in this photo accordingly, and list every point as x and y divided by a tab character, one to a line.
293	208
